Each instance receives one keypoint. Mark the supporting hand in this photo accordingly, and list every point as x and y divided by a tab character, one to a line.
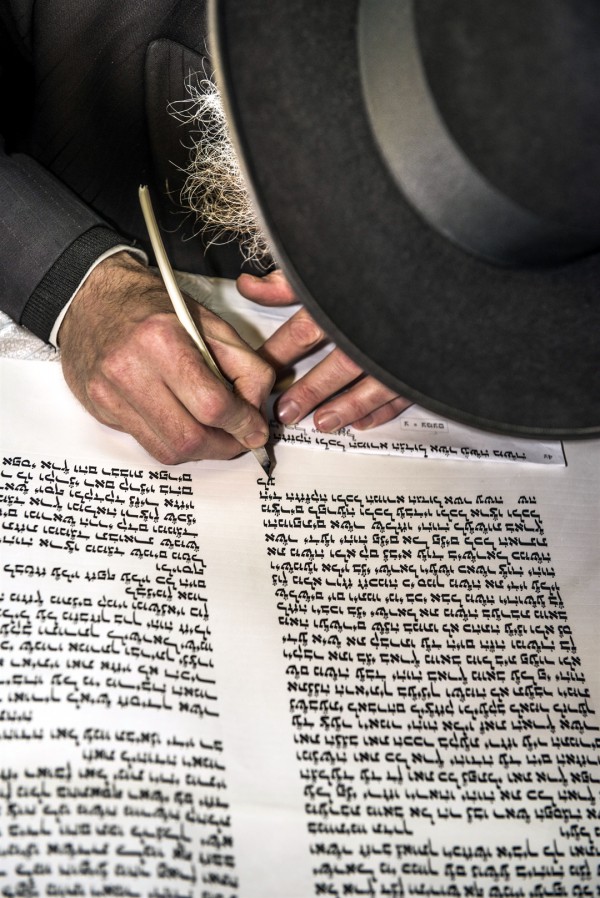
336	387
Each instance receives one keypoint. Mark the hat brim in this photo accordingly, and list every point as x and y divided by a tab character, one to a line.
509	350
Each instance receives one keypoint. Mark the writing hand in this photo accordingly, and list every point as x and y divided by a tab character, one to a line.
131	364
364	402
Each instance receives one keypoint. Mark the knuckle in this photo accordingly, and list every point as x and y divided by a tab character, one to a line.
216	409
307	396
343	366
304	330
186	444
116	367
155	334
98	392
167	456
154	326
191	445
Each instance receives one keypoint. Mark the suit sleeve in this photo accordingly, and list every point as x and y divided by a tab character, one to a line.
48	240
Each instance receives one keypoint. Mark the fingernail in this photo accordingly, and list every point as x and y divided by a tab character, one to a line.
256	439
288	411
328	422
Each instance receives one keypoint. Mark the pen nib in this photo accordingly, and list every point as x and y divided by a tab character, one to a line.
262	457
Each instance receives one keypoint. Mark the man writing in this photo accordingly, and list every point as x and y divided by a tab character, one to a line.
92	91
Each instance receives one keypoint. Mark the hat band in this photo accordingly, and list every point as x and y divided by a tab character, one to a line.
431	170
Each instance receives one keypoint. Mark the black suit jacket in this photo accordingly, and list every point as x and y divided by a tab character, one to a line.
90	84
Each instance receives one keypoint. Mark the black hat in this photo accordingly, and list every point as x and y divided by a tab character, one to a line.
429	175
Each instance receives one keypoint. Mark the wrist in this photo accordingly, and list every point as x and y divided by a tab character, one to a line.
107	277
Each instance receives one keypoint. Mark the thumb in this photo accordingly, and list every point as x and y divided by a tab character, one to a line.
272	289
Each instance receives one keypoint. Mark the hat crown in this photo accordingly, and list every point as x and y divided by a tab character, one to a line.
517	86
392	238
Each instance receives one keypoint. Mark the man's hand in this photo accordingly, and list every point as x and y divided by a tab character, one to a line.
132	365
363	402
